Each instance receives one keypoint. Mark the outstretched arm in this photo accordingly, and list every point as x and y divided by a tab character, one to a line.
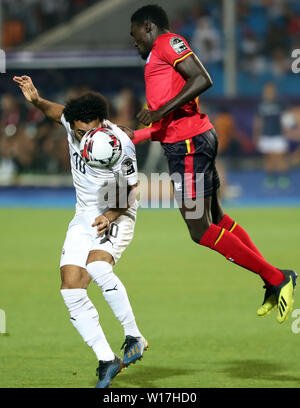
50	109
137	136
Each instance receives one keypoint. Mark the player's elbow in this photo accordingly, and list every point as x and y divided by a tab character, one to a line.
204	83
208	82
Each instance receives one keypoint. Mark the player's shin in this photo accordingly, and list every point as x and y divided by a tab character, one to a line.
85	318
115	294
230	225
234	250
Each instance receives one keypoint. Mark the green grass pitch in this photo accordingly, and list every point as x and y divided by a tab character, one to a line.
197	310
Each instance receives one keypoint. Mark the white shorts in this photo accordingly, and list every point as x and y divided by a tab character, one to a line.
82	238
273	144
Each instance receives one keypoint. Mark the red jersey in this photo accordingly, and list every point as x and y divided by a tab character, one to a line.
163	83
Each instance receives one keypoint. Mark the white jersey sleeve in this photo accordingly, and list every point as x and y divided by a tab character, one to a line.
68	128
129	167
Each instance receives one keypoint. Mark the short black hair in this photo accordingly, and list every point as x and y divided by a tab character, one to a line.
154	13
87	108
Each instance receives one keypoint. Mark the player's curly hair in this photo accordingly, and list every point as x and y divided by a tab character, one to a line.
154	13
86	108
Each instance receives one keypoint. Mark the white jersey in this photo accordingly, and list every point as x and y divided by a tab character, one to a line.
88	181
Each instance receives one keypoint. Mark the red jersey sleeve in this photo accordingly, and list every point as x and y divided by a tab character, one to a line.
173	49
141	135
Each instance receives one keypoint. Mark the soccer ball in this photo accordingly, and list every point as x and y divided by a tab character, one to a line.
100	148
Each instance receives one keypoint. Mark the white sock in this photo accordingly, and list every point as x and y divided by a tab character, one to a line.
115	294
85	318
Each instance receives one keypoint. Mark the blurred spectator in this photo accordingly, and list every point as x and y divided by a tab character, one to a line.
291	124
8	168
186	21
126	109
206	41
279	63
51	12
11	119
25	147
231	141
269	135
250	44
294	25
11	113
52	154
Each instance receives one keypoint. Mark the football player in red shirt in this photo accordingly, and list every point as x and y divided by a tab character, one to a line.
174	79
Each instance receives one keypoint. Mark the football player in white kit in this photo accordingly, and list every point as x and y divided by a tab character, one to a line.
97	235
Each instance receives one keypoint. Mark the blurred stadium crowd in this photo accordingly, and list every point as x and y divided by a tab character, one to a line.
267	31
30	143
24	20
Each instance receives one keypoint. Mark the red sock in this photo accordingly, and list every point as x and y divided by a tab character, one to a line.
237	230
230	246
231	226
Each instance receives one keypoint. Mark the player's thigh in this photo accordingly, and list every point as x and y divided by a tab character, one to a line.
192	166
197	224
117	239
76	247
74	277
78	243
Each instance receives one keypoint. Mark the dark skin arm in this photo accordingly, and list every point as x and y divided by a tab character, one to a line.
197	82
